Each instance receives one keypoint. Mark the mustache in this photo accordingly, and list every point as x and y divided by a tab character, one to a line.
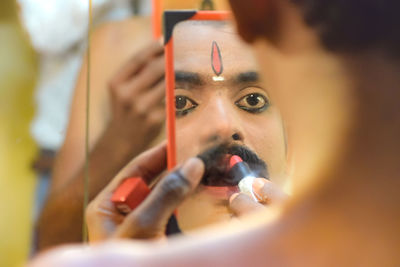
216	164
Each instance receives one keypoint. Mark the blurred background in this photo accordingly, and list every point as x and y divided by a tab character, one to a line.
42	46
18	77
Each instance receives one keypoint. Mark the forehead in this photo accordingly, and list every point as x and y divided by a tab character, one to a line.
193	42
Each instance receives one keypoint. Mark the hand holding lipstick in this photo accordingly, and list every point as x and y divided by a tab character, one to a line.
254	192
265	191
150	218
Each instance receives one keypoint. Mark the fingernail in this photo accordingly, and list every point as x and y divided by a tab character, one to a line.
193	169
233	196
258	184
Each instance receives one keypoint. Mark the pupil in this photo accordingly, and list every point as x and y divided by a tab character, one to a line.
253	100
180	102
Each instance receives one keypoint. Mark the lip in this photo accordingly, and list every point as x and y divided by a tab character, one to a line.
220	192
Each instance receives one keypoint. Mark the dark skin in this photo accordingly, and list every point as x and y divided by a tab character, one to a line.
149	220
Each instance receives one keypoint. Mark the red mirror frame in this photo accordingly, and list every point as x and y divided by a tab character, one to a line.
171	19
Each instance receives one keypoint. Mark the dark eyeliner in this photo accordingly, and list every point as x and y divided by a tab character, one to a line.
181	113
253	110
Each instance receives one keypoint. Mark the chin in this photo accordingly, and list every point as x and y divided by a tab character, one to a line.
208	206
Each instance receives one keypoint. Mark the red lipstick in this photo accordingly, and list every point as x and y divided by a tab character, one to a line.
239	169
234	160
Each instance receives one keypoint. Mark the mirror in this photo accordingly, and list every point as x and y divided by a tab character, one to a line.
218	107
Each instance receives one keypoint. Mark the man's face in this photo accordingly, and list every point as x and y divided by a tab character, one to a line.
219	99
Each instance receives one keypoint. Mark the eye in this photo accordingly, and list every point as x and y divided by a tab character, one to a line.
184	105
253	103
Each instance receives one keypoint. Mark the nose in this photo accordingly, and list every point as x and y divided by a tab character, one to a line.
221	124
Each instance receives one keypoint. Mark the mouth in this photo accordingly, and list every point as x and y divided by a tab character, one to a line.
217	172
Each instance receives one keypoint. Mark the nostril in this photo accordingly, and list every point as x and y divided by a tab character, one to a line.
236	137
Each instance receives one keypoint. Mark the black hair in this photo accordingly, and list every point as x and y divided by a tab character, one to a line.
354	25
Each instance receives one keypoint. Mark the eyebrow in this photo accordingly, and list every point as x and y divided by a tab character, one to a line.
247	77
193	78
188	77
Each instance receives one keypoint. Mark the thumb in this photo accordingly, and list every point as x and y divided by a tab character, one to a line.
151	217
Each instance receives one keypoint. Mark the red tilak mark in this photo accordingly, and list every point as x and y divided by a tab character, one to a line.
216	59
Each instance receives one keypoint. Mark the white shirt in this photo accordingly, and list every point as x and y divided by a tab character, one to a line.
58	30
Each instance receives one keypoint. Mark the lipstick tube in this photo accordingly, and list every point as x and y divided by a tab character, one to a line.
241	171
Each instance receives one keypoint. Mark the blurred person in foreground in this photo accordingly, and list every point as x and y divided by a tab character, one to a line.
333	68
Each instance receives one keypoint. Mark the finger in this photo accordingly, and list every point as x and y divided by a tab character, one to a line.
98	212
154	97
147	165
268	192
151	217
241	204
148	77
137	62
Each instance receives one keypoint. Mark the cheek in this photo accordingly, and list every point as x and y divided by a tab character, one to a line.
265	130
186	140
183	137
265	135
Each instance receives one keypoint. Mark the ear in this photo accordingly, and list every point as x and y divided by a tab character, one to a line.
255	18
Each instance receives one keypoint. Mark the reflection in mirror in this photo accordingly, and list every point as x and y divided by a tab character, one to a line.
222	109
